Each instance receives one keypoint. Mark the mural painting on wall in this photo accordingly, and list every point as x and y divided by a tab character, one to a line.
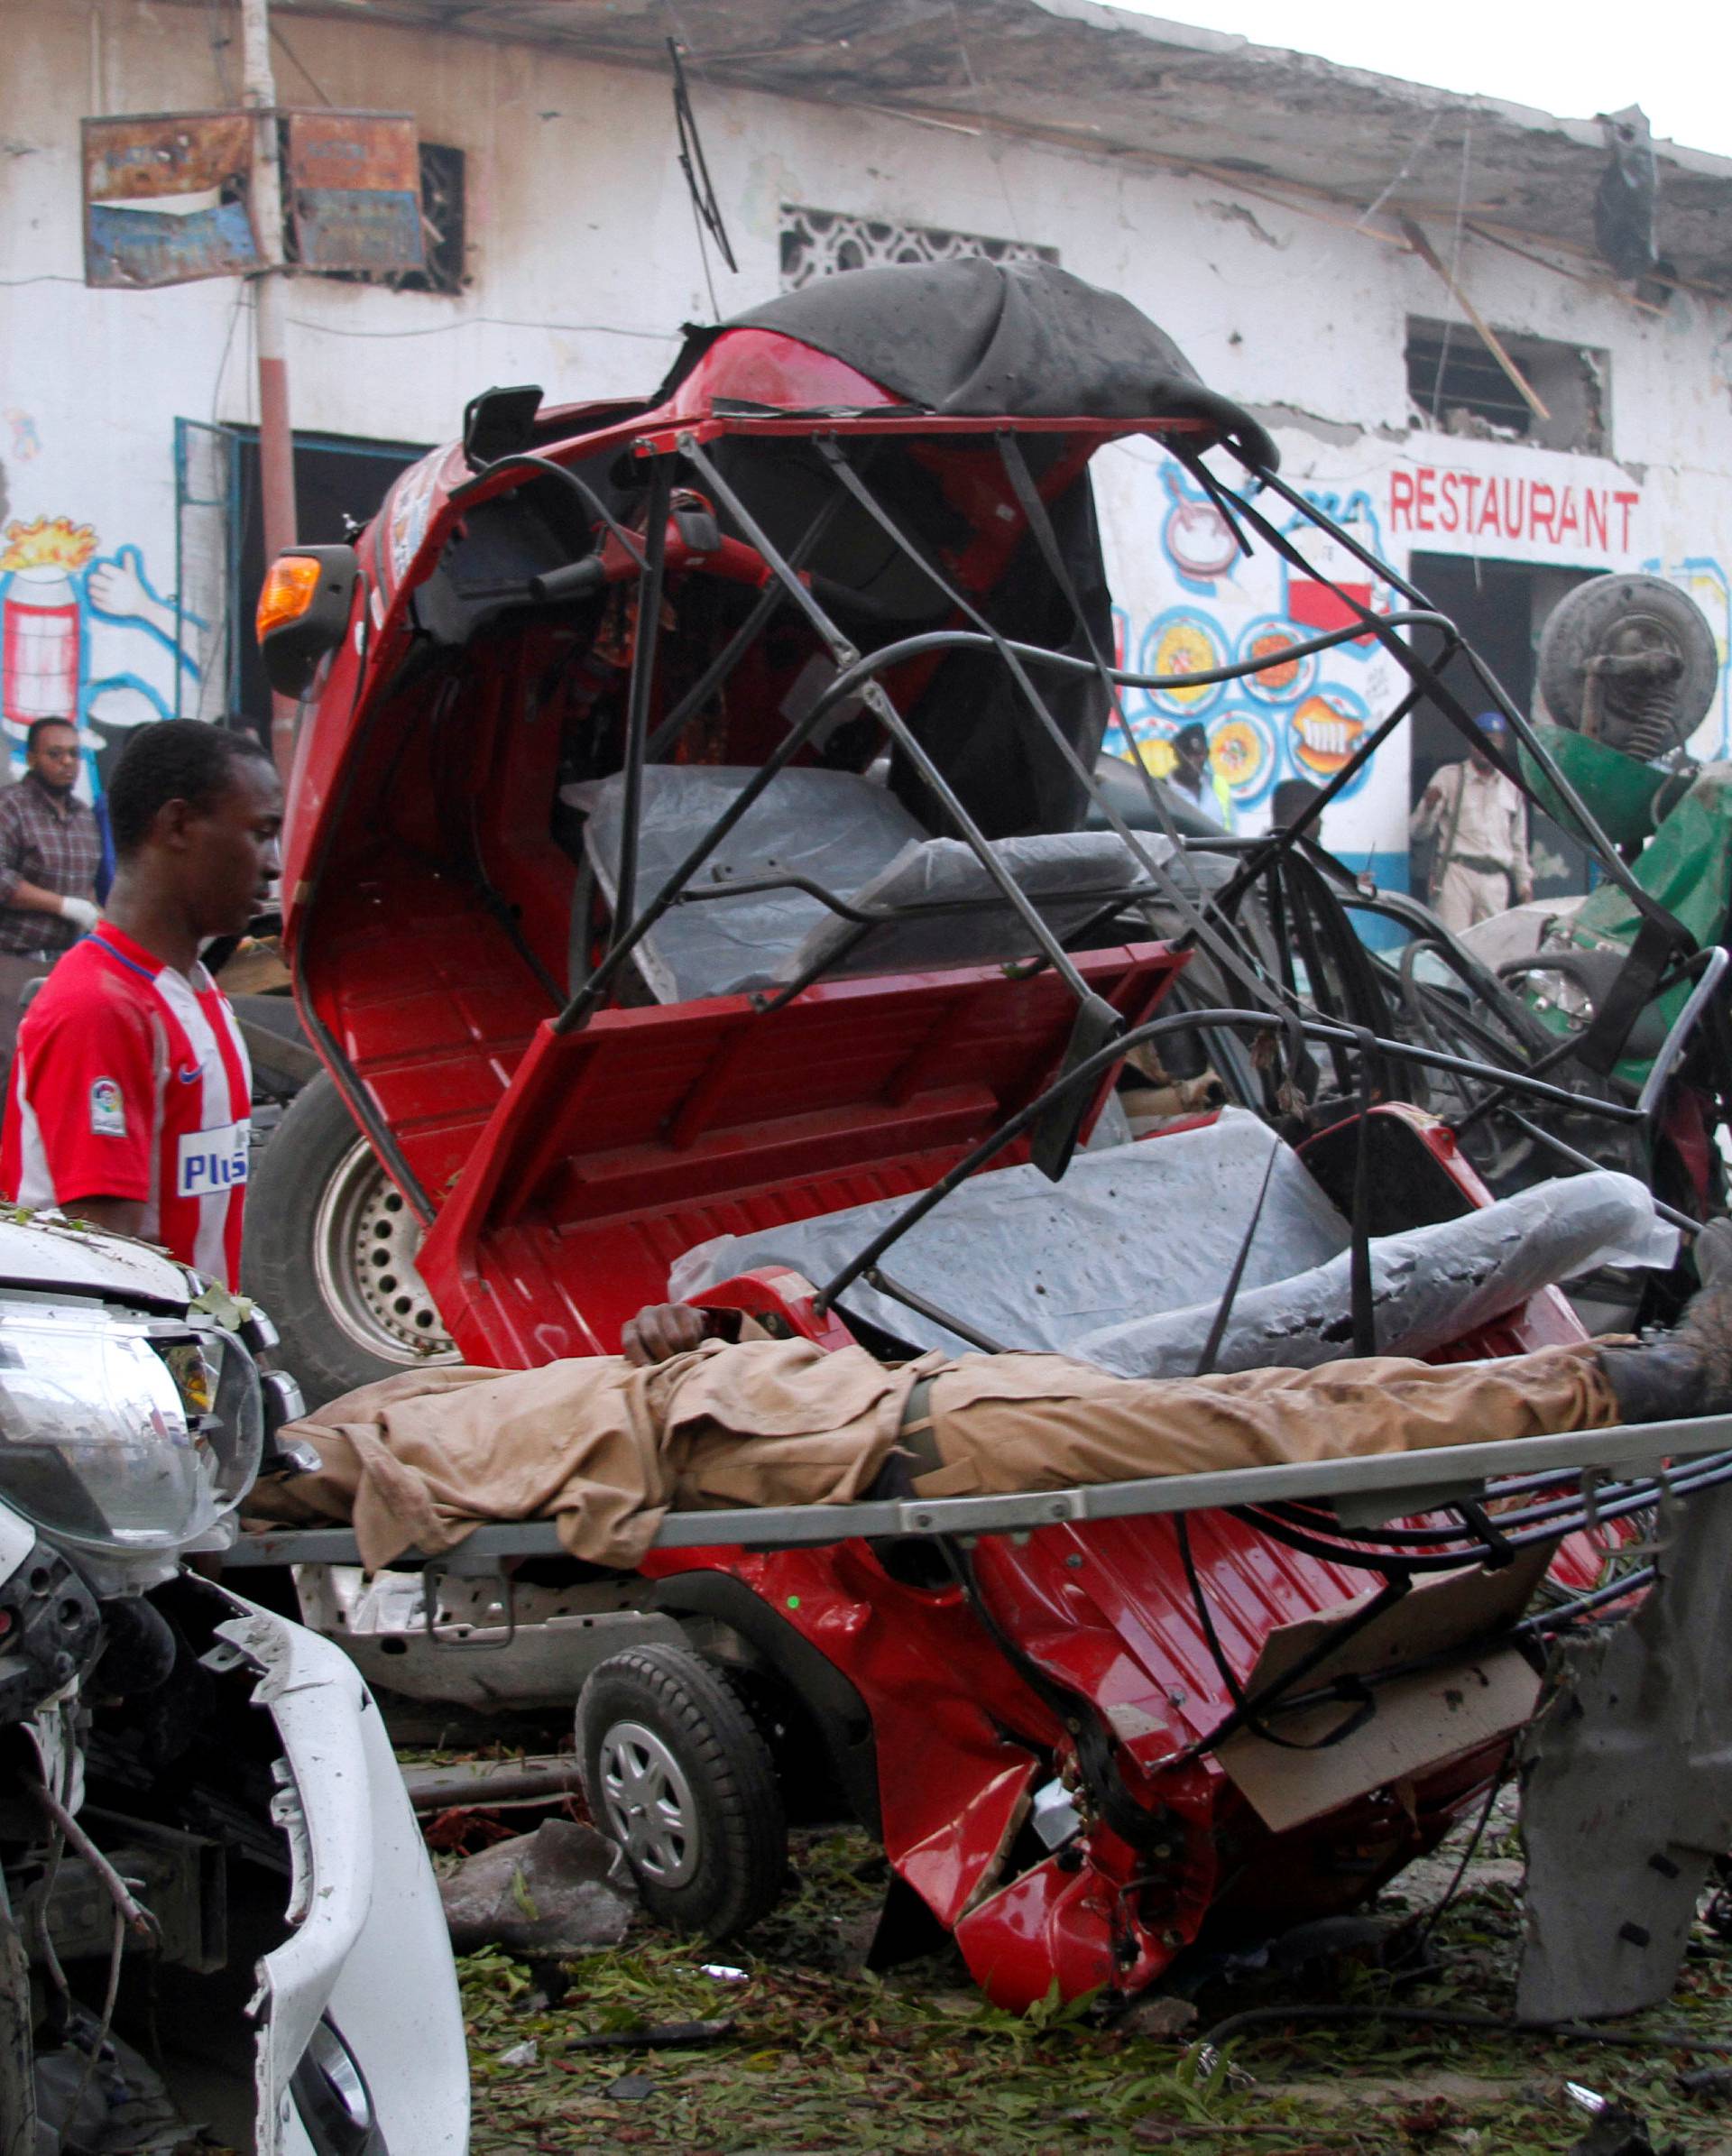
84	635
1300	718
1707	582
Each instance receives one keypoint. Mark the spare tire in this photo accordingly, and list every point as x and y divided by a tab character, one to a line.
1612	615
329	1251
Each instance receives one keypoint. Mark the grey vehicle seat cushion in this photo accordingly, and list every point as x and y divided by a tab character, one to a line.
1033	1264
851	835
832	827
1124	1262
1070	876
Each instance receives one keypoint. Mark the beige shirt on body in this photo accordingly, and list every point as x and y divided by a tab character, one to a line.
1490	825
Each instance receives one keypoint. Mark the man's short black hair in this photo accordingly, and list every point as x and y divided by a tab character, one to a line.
38	727
171	759
1290	801
1192	736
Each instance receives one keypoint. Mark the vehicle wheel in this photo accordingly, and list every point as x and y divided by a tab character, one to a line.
1626	615
330	1253
677	1773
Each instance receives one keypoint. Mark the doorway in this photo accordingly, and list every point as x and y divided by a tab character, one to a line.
1500	607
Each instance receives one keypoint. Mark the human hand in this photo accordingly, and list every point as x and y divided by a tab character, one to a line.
81	913
116	586
1523	890
660	1331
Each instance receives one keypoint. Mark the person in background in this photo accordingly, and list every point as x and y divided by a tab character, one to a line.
1195	775
130	1100
1476	821
1290	801
51	854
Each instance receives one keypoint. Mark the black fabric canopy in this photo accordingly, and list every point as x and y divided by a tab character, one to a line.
984	338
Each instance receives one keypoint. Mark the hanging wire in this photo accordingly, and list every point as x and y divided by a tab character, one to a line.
1455	260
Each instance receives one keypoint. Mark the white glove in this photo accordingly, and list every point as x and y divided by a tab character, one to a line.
81	913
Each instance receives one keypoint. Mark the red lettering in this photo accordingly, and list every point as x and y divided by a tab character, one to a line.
1401	500
1627	502
1541	511
1449	516
1488	517
1471	480
1568	519
1594	503
1424	499
1516	514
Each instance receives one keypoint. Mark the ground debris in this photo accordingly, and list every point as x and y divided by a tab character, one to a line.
1161	2014
826	2058
652	2036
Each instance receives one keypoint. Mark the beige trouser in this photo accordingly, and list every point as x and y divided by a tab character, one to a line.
420	1459
1007	1423
1468	895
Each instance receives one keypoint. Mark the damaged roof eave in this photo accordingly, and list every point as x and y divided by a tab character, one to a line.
1099	79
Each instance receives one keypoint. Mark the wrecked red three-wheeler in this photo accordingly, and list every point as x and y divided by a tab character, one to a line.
698	870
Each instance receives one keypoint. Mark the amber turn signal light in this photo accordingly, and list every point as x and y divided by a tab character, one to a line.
290	585
303	612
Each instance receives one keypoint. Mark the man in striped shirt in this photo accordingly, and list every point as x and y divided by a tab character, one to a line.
130	1097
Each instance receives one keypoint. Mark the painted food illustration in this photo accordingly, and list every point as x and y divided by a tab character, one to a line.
1241	754
1274	680
1186	643
1325	737
1200	540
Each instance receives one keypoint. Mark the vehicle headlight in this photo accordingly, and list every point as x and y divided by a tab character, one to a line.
120	1433
332	2096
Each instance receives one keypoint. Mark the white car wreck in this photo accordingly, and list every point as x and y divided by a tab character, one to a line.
217	1910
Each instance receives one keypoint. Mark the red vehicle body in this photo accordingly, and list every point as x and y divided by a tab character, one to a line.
558	1167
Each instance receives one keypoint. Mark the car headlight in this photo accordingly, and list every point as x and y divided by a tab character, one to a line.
120	1433
332	2096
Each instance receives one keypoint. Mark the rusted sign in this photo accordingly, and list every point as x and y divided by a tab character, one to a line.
162	153
165	198
354	182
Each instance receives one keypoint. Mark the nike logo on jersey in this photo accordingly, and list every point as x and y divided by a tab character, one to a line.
189	1073
209	1162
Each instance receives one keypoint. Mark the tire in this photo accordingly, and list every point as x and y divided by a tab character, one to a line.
329	1252
677	1773
1626	613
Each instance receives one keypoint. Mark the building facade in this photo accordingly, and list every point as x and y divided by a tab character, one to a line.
1280	254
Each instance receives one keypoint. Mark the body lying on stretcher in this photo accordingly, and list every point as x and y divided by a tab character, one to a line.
606	1446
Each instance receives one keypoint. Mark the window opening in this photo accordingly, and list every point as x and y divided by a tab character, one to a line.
442	230
819	243
1457	387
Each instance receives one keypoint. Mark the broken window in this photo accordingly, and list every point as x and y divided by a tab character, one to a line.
817	243
443	232
1456	385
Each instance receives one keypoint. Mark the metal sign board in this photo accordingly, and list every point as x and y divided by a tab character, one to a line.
190	169
353	183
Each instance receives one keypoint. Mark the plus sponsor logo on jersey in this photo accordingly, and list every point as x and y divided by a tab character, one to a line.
210	1161
108	1109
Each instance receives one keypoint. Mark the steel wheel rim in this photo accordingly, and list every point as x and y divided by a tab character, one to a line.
650	1811
365	1242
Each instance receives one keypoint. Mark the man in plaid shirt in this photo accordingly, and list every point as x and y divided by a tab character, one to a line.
51	850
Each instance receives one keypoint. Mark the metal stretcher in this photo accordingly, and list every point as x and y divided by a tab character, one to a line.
1641	1461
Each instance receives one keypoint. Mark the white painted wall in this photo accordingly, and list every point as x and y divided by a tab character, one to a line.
586	262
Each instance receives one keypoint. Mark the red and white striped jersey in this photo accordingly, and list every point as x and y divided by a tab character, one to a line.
130	1081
